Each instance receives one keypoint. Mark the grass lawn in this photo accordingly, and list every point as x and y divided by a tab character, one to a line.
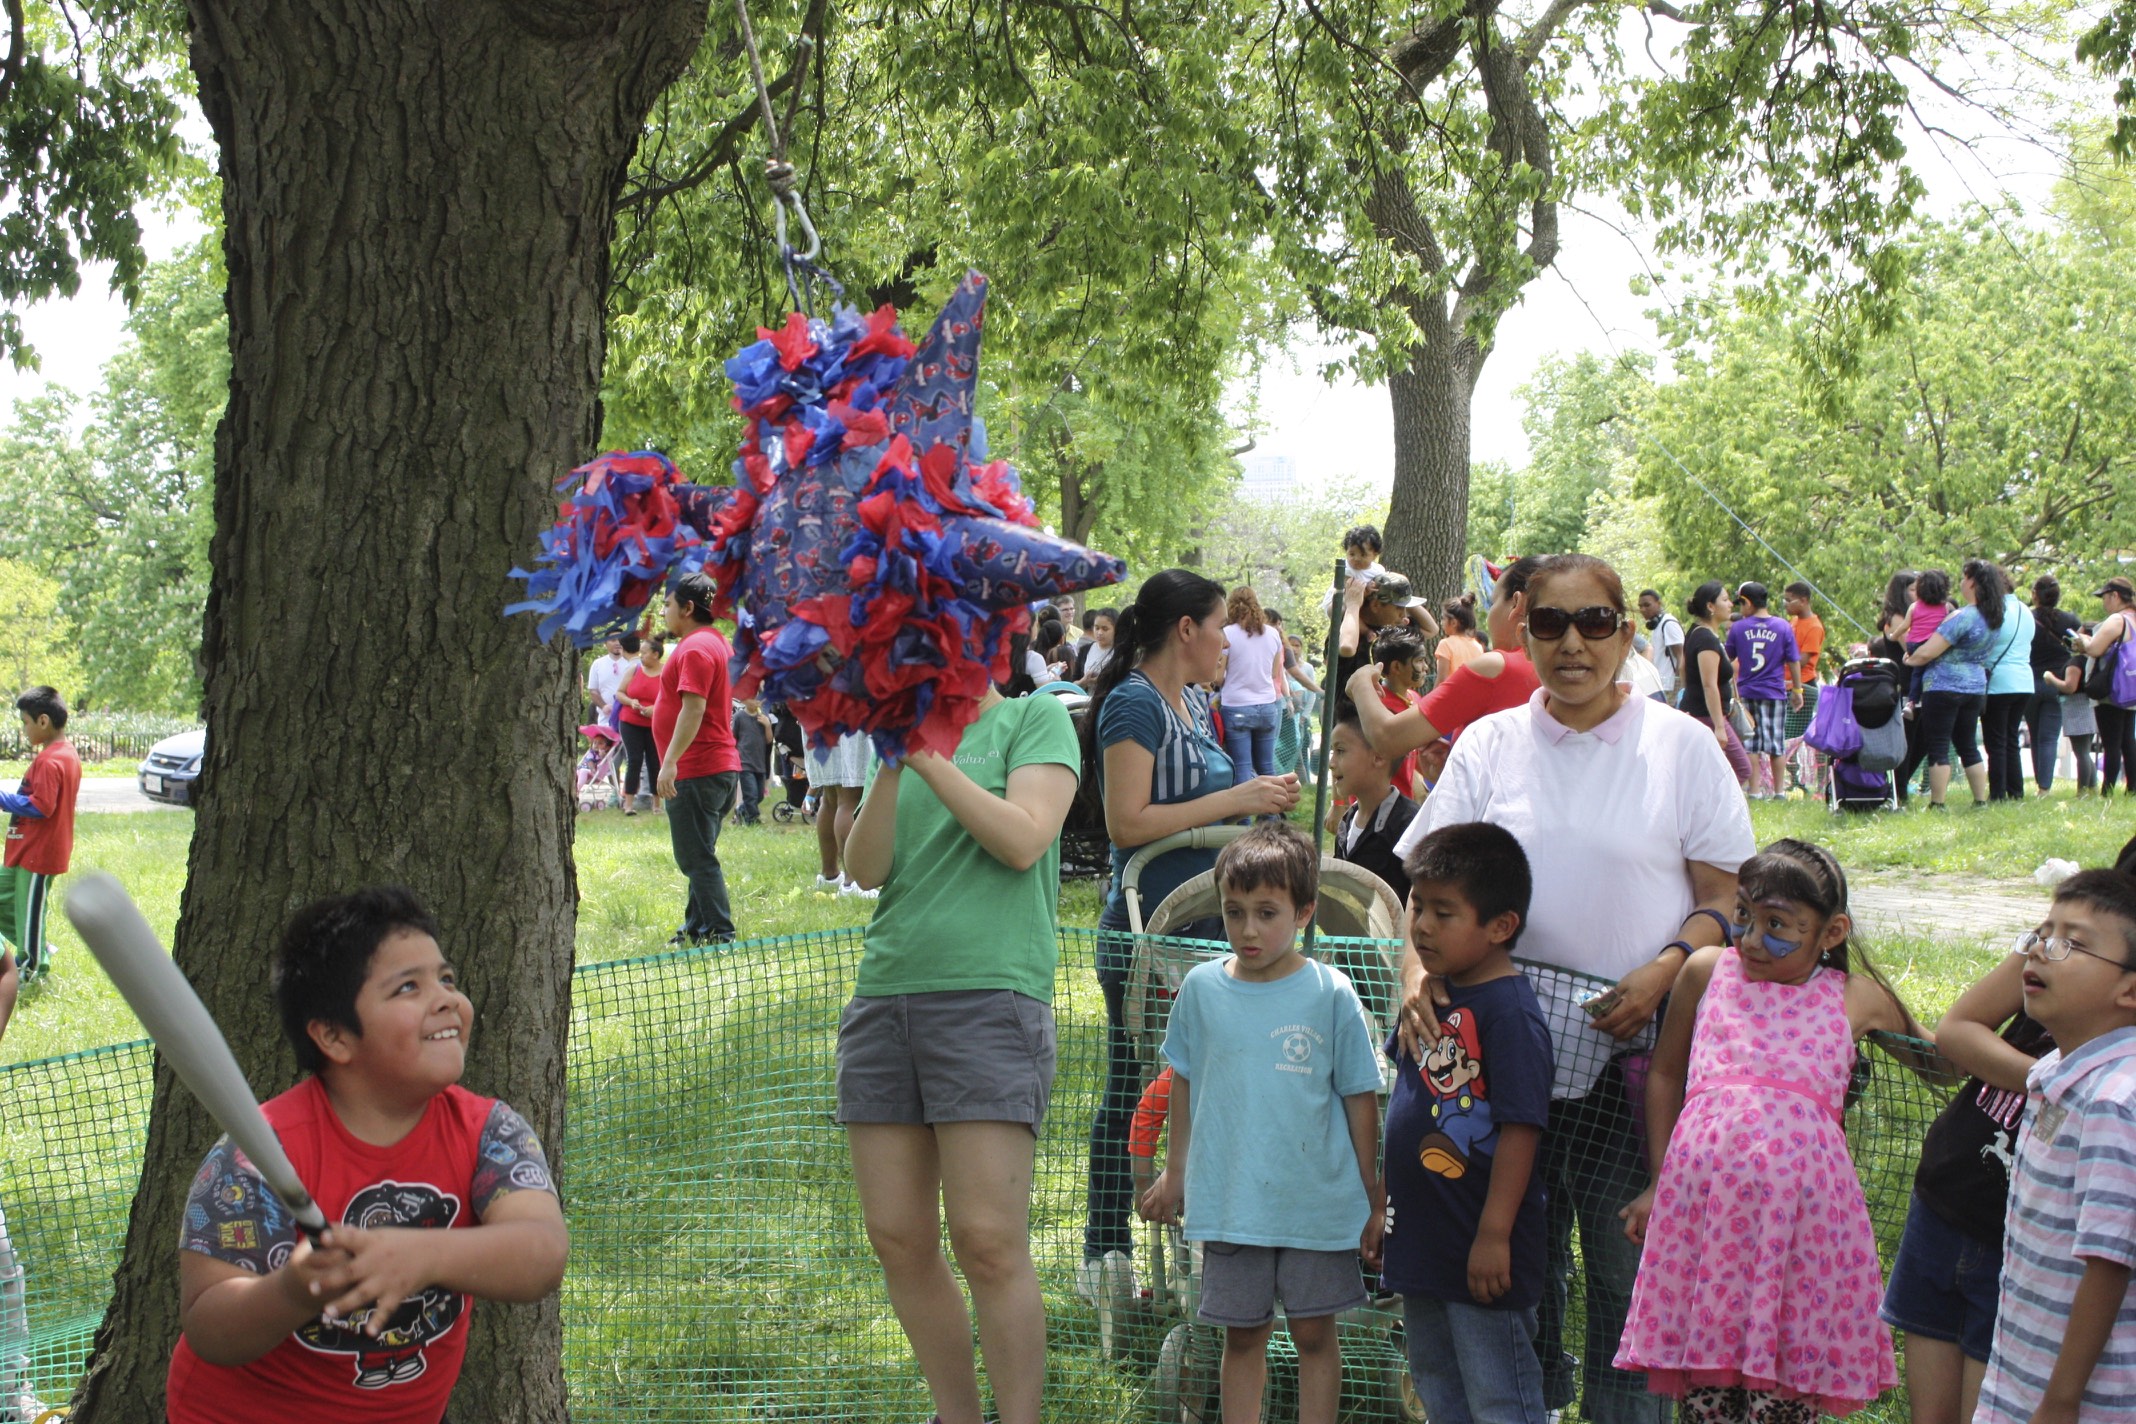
739	1199
630	894
117	768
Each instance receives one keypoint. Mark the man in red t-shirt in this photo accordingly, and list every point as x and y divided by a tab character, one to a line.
40	831
693	727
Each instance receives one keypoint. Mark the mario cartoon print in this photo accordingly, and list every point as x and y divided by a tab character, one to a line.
396	1355
1460	1105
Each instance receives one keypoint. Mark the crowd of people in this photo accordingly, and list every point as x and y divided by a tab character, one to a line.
1660	1113
1682	1125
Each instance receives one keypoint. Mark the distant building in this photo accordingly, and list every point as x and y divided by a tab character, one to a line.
1268	479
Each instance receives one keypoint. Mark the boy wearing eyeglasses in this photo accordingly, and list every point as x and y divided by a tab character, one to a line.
2065	1334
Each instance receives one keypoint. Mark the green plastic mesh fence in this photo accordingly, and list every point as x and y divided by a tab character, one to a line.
719	1267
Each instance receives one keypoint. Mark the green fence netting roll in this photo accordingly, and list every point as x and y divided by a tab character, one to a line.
719	1268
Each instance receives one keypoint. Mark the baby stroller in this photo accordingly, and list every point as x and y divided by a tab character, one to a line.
1861	726
596	776
1355	905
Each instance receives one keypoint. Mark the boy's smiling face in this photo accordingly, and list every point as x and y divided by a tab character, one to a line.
1353	764
2090	993
415	1022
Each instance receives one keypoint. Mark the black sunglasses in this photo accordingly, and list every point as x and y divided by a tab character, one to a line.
1595	622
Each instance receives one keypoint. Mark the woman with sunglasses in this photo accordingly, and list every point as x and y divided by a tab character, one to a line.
1634	827
1490	682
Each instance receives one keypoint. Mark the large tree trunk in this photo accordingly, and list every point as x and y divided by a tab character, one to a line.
1427	522
417	200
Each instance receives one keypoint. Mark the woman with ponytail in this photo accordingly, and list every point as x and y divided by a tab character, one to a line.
1161	770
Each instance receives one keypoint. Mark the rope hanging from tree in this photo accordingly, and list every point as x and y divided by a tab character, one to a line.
802	269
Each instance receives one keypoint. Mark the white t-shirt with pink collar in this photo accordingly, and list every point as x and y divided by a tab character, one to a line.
1609	819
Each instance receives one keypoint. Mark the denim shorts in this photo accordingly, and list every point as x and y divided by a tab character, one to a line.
1944	1284
1241	1284
961	1055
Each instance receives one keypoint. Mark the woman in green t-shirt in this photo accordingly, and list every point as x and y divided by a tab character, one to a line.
946	1052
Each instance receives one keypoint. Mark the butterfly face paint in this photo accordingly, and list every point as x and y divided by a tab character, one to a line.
1774	946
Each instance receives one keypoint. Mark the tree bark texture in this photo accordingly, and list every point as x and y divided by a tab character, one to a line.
1427	521
418	198
1433	393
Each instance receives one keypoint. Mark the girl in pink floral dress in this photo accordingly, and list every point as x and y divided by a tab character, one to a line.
1758	1285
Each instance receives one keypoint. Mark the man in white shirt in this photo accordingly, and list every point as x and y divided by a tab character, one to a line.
1666	646
606	676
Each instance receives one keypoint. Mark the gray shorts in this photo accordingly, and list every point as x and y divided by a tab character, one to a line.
963	1055
843	763
1241	1284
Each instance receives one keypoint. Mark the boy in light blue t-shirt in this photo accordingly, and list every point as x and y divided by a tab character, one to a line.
1274	1128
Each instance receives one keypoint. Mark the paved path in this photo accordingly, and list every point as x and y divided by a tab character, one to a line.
1947	906
115	793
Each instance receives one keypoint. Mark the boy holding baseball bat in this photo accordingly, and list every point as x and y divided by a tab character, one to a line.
435	1195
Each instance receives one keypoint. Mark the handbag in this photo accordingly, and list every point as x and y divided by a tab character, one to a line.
2123	693
2106	668
1833	730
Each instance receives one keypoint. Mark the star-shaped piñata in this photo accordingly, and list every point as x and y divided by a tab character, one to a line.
876	561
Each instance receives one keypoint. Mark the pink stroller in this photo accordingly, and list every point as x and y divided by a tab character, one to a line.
597	787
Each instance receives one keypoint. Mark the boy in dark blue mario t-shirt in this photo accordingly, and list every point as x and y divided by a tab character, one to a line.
1465	1235
435	1195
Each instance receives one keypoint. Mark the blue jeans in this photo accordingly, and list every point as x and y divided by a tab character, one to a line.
1473	1365
2043	723
1109	1201
1593	1165
750	794
1250	738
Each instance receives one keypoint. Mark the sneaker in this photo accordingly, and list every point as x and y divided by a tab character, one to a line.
1119	1278
825	885
630	810
848	890
682	939
1090	1278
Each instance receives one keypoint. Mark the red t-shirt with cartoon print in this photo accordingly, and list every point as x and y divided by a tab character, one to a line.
467	1152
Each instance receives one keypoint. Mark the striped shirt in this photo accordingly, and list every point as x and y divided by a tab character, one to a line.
1189	763
2072	1199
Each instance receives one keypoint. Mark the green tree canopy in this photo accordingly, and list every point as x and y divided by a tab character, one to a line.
90	96
1068	151
1998	419
119	514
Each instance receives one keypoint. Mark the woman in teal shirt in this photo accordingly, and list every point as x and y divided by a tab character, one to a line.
2009	681
1955	687
946	1052
1162	770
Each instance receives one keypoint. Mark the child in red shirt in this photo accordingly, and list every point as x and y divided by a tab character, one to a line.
430	1189
40	829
